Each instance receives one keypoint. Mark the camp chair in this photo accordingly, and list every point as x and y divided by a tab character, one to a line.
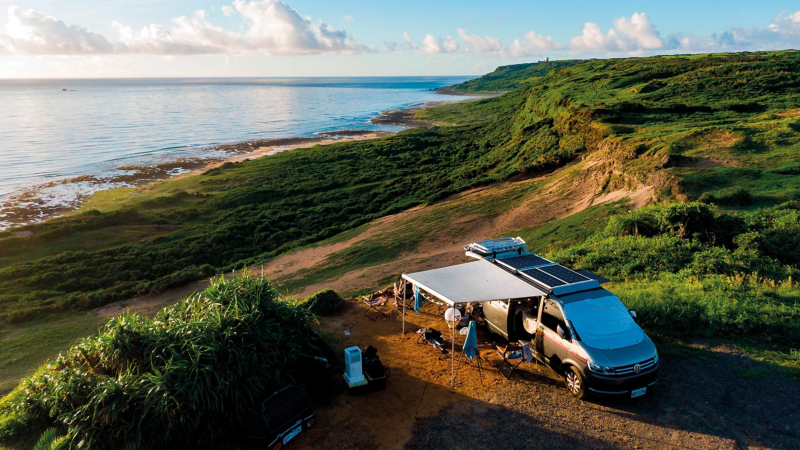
401	294
512	357
375	302
433	337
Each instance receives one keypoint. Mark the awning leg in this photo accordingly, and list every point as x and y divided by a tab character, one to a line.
404	313
453	355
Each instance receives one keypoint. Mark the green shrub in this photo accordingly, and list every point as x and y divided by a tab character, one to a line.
324	303
635	223
182	379
728	197
683	219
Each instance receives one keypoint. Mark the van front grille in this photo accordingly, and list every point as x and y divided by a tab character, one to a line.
629	369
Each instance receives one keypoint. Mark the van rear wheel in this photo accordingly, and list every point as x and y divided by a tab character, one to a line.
576	385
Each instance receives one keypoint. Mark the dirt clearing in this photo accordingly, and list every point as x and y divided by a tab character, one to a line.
699	402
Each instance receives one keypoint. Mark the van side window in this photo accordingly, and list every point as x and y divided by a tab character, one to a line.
551	316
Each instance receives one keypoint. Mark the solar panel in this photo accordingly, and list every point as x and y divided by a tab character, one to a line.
545	279
564	274
524	261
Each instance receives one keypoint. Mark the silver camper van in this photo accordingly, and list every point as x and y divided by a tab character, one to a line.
579	329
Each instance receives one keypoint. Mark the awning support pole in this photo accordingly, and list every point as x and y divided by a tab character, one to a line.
404	307
453	353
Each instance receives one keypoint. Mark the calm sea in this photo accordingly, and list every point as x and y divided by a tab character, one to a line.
47	133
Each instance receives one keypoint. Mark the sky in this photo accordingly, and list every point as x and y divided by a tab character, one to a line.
280	38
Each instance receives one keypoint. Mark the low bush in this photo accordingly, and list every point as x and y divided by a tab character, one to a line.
183	379
728	197
324	303
635	223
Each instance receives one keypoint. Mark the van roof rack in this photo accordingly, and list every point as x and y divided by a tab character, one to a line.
499	245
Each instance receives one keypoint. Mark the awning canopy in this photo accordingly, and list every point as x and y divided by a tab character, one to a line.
478	281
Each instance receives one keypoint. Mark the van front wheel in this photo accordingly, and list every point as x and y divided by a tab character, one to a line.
576	385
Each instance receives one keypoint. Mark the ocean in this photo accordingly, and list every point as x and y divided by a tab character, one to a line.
52	130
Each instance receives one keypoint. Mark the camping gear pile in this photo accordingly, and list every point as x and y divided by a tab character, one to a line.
434	337
364	372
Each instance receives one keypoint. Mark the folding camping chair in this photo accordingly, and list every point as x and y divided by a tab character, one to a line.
433	337
513	357
402	293
375	302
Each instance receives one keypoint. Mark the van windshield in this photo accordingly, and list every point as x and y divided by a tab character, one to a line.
603	323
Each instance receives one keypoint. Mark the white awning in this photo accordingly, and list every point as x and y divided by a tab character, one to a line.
478	281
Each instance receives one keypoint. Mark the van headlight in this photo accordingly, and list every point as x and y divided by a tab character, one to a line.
597	368
655	358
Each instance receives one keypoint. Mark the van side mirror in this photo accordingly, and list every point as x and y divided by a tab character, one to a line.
633	314
562	333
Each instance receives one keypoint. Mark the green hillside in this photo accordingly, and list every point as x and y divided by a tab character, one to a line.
715	138
657	117
508	78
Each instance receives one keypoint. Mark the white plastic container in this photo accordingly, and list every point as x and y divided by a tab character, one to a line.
353	374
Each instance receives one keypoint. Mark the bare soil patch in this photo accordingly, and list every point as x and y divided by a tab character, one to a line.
150	304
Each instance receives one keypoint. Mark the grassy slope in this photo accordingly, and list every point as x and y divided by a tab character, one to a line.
736	109
25	346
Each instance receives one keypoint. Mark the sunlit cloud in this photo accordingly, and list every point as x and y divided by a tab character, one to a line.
271	27
628	35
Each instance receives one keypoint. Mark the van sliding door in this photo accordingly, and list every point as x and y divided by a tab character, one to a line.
553	347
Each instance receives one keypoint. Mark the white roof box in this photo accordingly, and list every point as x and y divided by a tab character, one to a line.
495	246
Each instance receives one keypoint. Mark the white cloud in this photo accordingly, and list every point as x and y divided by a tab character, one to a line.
409	43
593	40
639	31
531	44
634	35
349	18
450	45
30	32
479	44
786	24
430	45
271	28
782	33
